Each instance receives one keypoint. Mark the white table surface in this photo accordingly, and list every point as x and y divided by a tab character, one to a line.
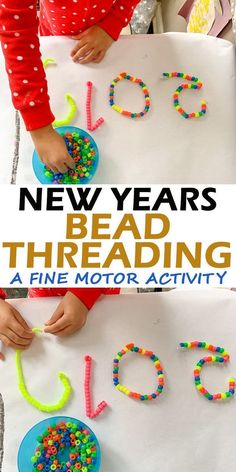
162	147
180	431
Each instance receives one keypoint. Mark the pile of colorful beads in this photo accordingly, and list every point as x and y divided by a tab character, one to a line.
160	376
84	155
68	437
122	76
221	357
196	85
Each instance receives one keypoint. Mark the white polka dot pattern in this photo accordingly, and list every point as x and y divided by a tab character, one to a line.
20	43
52	20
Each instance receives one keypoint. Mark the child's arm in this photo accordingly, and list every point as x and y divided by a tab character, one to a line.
95	41
118	17
20	45
14	331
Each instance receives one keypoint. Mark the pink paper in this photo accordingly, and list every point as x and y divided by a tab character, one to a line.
220	20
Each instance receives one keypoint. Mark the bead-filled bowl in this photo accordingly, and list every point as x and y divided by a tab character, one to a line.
59	441
82	149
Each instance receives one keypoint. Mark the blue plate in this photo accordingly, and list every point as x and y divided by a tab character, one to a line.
29	443
38	166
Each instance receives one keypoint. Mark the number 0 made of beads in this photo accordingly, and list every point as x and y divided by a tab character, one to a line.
33	401
195	85
160	376
125	76
220	356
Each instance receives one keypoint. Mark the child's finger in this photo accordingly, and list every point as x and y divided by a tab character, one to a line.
65	332
22	321
51	167
88	58
2	357
99	57
10	343
58	313
62	323
22	333
78	46
70	162
61	167
82	52
17	339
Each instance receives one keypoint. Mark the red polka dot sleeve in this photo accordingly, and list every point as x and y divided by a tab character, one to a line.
118	17
20	45
2	294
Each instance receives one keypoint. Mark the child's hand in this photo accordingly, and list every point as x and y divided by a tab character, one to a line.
69	317
14	331
52	149
91	46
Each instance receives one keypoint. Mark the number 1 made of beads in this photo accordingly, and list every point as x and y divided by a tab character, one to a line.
195	85
100	121
87	392
220	356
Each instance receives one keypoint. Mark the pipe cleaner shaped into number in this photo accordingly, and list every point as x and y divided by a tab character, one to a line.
197	85
73	108
122	76
33	401
160	376
89	413
221	357
100	121
71	114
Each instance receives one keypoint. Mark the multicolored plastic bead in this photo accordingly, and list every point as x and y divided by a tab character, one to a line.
196	85
84	155
221	357
125	76
160	376
77	441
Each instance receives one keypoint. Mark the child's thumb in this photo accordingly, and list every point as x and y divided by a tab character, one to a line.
56	315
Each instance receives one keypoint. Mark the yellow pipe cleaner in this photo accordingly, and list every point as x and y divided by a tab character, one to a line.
37	330
48	61
73	108
29	398
71	114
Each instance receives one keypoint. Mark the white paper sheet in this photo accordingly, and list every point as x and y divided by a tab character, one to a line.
163	146
179	431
